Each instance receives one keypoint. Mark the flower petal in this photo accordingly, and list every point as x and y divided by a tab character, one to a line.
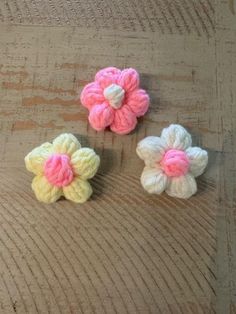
44	191
66	144
182	187
129	80
107	76
85	163
198	159
79	191
176	137
92	94
34	161
138	101
154	180
151	149
101	116
124	121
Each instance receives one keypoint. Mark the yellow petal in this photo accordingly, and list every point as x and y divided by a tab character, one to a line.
44	191
79	191
85	163
34	161
66	144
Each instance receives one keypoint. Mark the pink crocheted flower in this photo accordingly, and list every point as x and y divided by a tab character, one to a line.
115	100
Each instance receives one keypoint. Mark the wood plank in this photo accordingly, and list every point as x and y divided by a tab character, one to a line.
226	100
123	251
165	16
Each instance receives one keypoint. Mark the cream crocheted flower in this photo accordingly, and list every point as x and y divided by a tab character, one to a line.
171	164
62	169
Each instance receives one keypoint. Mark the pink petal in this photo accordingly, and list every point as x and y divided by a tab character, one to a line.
107	76
138	101
129	79
124	121
92	94
101	116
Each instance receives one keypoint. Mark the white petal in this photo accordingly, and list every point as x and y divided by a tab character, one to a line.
153	180
182	187
198	160
176	137
151	149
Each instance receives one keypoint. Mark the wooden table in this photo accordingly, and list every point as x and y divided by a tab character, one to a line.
123	251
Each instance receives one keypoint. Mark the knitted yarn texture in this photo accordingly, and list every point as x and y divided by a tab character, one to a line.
62	169
171	164
115	100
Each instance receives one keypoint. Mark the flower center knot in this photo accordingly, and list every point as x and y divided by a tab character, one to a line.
58	170
115	95
175	163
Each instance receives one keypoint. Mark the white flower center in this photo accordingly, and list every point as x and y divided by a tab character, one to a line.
115	95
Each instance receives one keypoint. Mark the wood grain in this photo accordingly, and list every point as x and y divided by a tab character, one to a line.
166	16
123	251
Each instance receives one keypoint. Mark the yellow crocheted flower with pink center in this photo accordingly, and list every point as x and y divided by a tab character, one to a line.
62	169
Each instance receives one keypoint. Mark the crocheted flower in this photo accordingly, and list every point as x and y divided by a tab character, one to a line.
171	164
62	169
114	99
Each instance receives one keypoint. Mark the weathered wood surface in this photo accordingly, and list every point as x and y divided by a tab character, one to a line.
123	251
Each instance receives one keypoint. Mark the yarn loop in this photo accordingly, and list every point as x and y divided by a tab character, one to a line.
115	95
175	163
58	171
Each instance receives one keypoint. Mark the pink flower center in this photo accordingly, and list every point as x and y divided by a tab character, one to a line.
175	163
58	170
